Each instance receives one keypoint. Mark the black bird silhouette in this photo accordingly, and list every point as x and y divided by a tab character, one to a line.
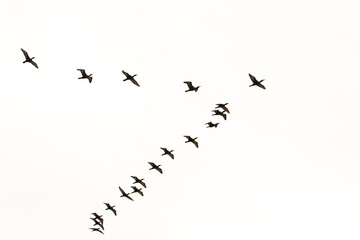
28	59
223	106
99	224
109	207
210	125
217	112
139	181
136	190
191	87
99	217
256	82
97	230
154	166
190	139
84	75
131	78
124	194
167	152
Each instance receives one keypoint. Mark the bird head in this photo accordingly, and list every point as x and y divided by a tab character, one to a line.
262	80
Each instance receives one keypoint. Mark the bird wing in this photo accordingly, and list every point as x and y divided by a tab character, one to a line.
113	210
135	188
134	82
171	155
188	137
189	84
152	164
142	183
107	205
159	169
82	72
226	109
129	198
196	144
25	54
122	191
262	86
90	79
253	79
126	74
135	178
141	193
34	63
164	149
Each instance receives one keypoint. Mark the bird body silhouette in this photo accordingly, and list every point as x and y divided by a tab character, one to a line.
28	58
167	152
109	207
191	87
136	190
96	230
154	166
84	75
217	112
190	139
99	217
223	106
137	180
256	82
131	78
211	125
124	194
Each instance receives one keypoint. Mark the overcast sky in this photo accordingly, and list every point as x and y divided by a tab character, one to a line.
284	165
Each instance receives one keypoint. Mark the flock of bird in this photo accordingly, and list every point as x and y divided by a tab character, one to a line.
220	110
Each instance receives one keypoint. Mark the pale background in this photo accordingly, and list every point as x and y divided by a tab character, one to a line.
285	165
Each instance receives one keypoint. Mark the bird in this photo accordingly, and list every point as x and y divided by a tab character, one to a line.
136	190
256	82
211	125
84	75
97	230
191	87
29	59
154	166
98	217
190	139
223	106
109	207
137	180
99	224
217	112
167	152
131	78
124	194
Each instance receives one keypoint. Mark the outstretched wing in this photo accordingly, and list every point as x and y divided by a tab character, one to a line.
171	155
189	84
126	74
142	183
113	210
25	54
135	178
82	72
253	79
129	197
159	169
196	144
152	164
134	82
122	191
34	63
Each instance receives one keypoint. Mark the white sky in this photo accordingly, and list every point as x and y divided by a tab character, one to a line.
285	165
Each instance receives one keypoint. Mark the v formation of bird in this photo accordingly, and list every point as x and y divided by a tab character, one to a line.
221	109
